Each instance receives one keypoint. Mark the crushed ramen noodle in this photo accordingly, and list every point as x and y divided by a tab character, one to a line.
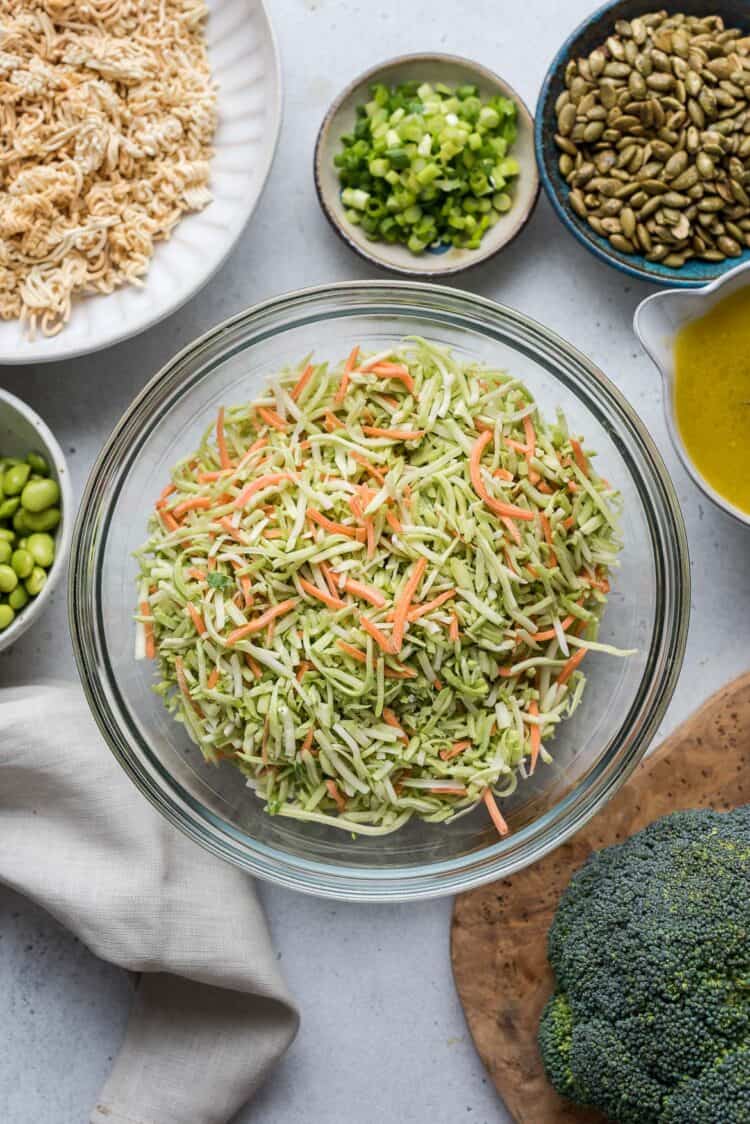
107	113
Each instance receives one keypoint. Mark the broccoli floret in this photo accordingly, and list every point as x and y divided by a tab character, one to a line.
650	946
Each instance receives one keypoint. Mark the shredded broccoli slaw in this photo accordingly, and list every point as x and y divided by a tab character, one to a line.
372	588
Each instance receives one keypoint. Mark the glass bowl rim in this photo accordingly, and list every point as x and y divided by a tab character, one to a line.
373	884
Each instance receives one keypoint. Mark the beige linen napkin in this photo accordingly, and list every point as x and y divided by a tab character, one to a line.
211	1014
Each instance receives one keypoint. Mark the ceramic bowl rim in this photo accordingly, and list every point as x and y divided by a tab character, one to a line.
370	75
33	609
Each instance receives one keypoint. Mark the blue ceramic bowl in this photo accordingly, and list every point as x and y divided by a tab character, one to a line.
590	34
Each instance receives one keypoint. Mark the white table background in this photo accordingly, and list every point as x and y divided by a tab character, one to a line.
383	1037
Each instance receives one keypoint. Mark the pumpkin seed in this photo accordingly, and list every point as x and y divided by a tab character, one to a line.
621	243
729	246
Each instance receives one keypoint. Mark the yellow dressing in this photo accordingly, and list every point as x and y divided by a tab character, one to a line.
712	396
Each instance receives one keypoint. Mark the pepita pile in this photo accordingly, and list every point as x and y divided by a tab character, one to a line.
654	133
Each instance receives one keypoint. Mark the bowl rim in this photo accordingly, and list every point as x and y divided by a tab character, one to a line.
325	879
478	256
30	612
673	279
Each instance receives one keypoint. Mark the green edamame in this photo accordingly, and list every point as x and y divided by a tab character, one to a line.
45	520
7	535
8	579
41	547
19	522
38	464
14	479
39	495
18	598
9	507
6	616
35	582
6	551
22	562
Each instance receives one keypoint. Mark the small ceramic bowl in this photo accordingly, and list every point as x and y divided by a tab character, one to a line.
656	322
588	35
452	71
22	432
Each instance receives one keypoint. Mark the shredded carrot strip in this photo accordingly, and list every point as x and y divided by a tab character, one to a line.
375	472
379	637
394	434
512	529
165	493
194	572
494	812
550	633
394	371
213	679
221	444
343	386
453	632
545	488
579	456
331	422
270	417
455	749
404	602
535	734
569	522
168	520
195	503
302	670
366	592
148	628
534	477
530	433
427	607
307	743
260	484
503	474
262	621
330	577
517	446
450	789
390	718
312	591
401	673
253	665
333	528
571	665
231	530
336	794
547	531
393	522
302	382
355	653
507	510
200	625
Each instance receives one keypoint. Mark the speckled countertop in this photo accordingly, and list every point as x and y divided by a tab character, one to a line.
383	1036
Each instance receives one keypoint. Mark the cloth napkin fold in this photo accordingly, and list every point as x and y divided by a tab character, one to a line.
211	1014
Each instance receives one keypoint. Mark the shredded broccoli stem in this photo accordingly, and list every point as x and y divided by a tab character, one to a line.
372	588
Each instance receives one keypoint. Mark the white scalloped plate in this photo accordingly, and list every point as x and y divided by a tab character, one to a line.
245	63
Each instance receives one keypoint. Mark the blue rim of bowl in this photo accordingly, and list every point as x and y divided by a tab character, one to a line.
557	190
323	879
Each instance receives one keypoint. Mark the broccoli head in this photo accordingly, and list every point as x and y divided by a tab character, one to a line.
650	946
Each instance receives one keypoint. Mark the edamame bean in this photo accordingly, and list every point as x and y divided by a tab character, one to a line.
22	562
18	598
19	521
9	507
38	495
6	551
6	535
39	521
35	581
14	479
6	616
41	547
8	579
38	463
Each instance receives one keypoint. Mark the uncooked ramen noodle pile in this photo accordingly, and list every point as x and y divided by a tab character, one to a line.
107	113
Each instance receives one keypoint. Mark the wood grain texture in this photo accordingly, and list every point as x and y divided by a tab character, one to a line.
499	932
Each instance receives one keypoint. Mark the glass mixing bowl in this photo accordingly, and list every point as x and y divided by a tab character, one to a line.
594	751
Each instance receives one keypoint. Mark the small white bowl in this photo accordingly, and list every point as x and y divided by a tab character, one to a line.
657	321
22	432
340	119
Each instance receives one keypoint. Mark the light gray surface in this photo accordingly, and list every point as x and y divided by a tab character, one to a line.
382	1034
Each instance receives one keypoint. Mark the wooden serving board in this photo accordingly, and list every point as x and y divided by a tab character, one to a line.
499	932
